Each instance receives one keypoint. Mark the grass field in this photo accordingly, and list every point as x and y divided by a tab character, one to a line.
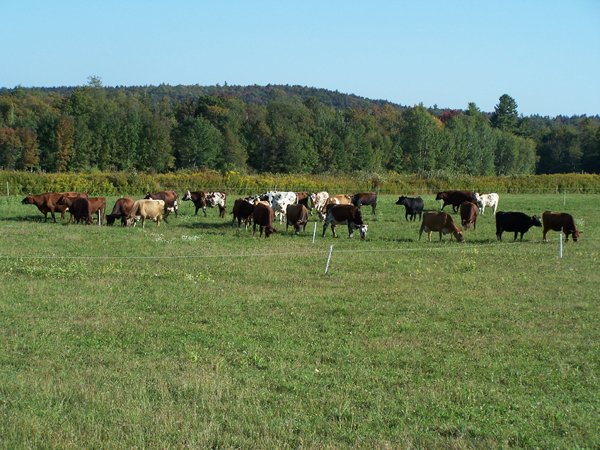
194	335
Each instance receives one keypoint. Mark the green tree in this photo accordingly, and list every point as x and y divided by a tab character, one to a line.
505	116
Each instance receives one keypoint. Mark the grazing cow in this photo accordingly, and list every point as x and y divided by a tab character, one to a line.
412	206
279	201
170	199
242	211
263	216
146	209
79	207
441	222
484	200
120	211
302	198
340	199
365	198
515	221
297	216
559	222
46	203
455	198
345	214
468	215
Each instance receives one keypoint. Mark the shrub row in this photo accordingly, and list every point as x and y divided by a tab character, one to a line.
122	183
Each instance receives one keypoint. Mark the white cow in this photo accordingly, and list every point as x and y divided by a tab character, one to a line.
146	209
318	200
484	200
279	201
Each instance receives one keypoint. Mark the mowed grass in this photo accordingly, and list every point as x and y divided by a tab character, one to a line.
193	334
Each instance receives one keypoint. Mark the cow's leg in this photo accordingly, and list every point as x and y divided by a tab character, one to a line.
544	236
440	236
196	213
333	230
204	210
350	229
421	231
373	208
324	229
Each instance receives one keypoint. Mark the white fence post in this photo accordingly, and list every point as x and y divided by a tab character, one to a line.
314	233
328	259
560	244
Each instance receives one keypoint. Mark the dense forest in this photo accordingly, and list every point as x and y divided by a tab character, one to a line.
279	129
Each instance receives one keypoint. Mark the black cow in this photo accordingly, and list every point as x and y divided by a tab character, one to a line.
344	214
515	221
365	198
242	211
412	206
455	198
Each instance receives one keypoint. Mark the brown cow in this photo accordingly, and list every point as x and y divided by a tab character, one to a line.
468	215
202	199
263	216
297	216
79	207
442	222
302	198
121	210
559	222
455	198
170	199
345	214
46	203
365	198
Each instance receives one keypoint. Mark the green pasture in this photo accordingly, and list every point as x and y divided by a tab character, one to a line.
196	334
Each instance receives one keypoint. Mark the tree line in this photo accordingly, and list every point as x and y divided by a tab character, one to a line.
279	129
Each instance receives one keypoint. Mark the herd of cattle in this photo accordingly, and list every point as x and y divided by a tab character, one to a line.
294	208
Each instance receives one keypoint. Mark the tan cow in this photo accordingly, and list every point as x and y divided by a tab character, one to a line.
146	209
441	222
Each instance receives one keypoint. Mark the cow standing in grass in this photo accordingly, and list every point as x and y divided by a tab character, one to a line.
556	221
412	206
441	222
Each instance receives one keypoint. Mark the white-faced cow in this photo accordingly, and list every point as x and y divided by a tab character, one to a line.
345	214
146	209
170	199
365	198
297	216
484	200
441	222
202	199
412	206
517	222
556	221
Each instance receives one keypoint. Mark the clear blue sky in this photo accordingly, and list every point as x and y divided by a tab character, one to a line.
543	53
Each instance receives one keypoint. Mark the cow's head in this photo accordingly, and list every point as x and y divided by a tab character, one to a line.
362	229
28	200
460	237
535	220
187	195
269	231
576	234
401	200
148	195
441	196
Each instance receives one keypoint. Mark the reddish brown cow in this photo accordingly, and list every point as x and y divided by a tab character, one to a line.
297	216
468	215
455	198
170	199
98	205
263	216
441	222
46	203
121	210
559	222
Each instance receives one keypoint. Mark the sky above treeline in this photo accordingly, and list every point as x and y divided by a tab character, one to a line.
543	53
